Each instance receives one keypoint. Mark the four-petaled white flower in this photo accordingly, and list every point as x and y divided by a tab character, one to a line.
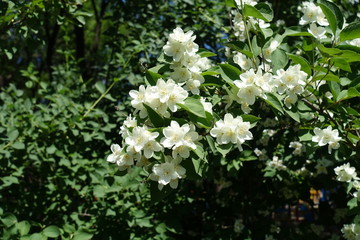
317	32
168	172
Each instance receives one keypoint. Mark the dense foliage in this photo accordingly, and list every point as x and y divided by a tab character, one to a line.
66	73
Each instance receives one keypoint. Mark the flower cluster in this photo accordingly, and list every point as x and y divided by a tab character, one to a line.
345	173
351	231
299	148
250	86
312	13
327	136
292	82
180	139
231	130
141	144
187	65
163	96
314	16
239	23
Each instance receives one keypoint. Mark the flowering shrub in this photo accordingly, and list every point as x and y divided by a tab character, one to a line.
281	94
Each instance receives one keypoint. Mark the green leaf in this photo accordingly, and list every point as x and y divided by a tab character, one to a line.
8	220
51	149
261	11
194	106
211	143
212	81
333	14
231	3
305	66
350	32
205	53
295	32
239	46
327	76
352	203
99	191
18	145
334	88
329	52
353	92
347	94
155	118
202	122
9	180
224	149
250	118
100	87
305	136
267	32
82	235
293	114
199	151
341	63
199	166
23	227
247	155
279	59
37	236
13	135
230	73
51	231
152	77
274	101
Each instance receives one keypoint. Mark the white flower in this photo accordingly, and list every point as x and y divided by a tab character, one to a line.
232	130
180	74
181	37
180	139
248	2
116	152
150	147
248	92
267	51
139	137
355	42
298	148
317	32
327	136
207	105
168	173
276	163
250	86
244	62
174	49
292	82
177	95
312	13
345	173
261	154
351	231
180	43
193	85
